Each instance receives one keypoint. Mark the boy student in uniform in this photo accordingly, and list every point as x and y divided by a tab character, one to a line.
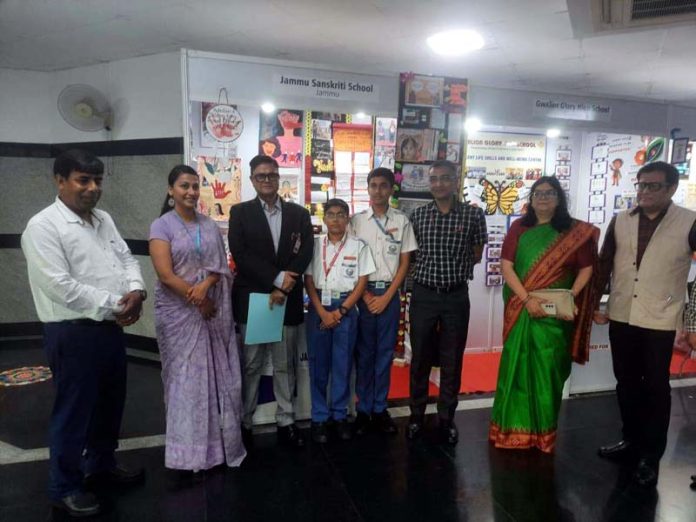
335	281
389	235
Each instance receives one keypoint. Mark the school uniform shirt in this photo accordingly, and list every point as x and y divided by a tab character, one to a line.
345	261
77	270
388	237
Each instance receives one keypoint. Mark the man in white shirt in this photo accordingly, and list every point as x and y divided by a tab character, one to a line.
389	235
86	287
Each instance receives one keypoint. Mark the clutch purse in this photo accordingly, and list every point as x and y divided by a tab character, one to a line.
559	301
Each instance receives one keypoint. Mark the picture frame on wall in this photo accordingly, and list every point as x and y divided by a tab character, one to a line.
424	91
563	155
565	184
597	184
679	148
597	201
599	168
493	267
596	217
600	152
562	171
494	280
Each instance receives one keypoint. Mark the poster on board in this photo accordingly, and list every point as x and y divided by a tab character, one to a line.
280	136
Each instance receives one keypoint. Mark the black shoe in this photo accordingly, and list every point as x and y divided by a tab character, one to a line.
646	473
415	428
290	436
693	482
78	505
448	432
343	429
247	438
361	424
319	433
384	423
119	476
619	451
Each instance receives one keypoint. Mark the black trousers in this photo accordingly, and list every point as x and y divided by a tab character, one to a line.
448	314
88	361
641	359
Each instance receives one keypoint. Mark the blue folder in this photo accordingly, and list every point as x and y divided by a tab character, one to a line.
264	325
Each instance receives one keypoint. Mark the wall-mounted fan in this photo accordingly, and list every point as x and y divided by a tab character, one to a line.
85	108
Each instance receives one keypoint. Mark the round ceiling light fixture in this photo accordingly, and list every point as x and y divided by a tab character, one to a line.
553	133
472	125
268	107
455	43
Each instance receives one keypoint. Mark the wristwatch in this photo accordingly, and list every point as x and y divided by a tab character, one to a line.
343	310
143	294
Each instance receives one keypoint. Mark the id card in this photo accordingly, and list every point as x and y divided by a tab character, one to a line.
325	297
549	308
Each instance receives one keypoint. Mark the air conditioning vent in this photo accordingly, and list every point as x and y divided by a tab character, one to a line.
642	9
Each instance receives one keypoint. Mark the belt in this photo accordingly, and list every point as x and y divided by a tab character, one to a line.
373	284
343	294
88	322
445	289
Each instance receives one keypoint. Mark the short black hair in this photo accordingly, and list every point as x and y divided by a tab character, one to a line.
671	172
77	160
261	159
336	202
381	172
444	164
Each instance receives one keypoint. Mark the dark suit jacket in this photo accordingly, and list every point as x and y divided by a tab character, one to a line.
251	245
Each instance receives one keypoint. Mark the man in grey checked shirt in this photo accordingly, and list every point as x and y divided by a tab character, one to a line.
450	236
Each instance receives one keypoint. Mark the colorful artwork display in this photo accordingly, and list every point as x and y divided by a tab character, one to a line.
280	136
221	186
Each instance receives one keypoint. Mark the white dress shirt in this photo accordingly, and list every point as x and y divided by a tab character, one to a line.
274	216
77	270
388	245
353	261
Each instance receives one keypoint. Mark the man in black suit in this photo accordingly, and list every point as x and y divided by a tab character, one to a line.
271	242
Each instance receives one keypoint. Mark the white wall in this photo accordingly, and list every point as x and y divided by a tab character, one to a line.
25	106
145	92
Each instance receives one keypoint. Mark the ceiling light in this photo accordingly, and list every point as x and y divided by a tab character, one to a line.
268	107
553	133
472	125
361	115
455	43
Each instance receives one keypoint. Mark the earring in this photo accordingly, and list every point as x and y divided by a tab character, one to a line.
170	202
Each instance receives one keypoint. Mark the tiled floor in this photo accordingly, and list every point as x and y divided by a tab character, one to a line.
372	479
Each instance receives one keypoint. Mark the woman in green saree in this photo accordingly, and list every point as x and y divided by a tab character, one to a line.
544	249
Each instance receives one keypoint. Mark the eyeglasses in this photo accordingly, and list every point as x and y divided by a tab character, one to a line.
338	216
646	186
264	178
447	178
544	194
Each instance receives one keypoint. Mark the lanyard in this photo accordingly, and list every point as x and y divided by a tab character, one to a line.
381	227
197	242
327	270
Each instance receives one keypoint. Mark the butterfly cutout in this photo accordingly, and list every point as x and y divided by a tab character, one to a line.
500	195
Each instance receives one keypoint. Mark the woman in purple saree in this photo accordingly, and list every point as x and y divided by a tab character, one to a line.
195	333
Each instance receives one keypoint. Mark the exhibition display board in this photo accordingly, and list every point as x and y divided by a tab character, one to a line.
327	129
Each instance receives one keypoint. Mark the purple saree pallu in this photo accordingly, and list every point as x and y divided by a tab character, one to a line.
200	359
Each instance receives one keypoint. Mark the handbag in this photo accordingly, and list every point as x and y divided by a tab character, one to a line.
559	301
